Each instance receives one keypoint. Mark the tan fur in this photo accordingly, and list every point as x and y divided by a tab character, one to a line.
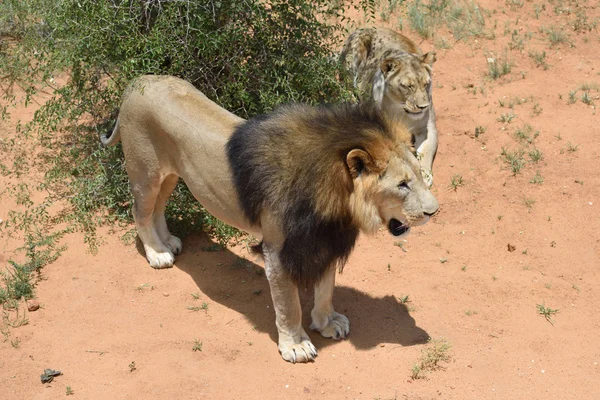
390	70
169	129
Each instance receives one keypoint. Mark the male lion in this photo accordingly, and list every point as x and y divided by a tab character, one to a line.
303	179
390	70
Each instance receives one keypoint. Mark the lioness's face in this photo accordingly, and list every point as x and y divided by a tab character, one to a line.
408	83
403	199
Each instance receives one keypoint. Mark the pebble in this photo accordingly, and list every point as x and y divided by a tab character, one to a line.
33	305
166	294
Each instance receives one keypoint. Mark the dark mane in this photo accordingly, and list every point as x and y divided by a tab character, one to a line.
292	162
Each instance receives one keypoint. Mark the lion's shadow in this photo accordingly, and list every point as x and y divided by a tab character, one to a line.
241	285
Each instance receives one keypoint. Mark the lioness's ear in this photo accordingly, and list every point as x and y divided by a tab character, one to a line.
359	161
429	58
388	66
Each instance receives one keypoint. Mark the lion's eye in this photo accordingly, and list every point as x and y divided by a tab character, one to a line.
403	185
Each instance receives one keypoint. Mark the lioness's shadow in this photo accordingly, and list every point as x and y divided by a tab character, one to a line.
241	285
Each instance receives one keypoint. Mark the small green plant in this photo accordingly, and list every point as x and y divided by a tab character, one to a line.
456	182
539	58
572	98
195	295
431	357
572	148
499	66
547	312
557	36
494	278
537	9
443	260
463	268
403	299
536	155
514	159
537	179
506	117
197	345
69	391
586	99
479	130
471	312
528	203
132	366
204	306
526	134
537	110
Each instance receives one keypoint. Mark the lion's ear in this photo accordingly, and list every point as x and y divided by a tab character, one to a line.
359	161
429	58
388	66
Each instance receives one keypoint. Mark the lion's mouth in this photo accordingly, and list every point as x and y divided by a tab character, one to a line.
397	228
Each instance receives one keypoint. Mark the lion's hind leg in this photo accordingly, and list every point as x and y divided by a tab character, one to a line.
166	188
145	195
324	319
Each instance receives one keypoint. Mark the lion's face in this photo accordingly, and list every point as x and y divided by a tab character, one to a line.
391	193
405	83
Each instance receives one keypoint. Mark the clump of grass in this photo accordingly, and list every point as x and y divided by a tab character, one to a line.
506	118
536	155
69	391
547	312
19	280
557	36
431	357
464	18
537	179
499	66
404	299
457	180
479	130
571	147
539	58
526	133
529	203
514	159
197	345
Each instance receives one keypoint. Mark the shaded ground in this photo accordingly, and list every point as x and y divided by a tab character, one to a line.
102	313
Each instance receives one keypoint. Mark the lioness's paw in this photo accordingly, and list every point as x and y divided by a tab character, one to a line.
336	327
304	351
174	244
156	259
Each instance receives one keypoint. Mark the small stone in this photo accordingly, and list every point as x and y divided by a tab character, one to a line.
33	305
166	294
382	345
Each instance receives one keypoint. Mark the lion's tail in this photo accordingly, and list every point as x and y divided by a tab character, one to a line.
111	138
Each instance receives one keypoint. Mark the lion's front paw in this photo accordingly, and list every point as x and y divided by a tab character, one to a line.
336	326
163	259
294	352
174	244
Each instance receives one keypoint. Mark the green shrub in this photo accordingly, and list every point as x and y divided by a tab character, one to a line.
247	55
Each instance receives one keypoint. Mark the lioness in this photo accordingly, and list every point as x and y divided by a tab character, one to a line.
303	179
390	70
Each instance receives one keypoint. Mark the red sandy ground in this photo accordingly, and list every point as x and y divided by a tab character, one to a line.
95	321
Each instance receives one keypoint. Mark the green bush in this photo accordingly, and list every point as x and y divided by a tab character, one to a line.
247	55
